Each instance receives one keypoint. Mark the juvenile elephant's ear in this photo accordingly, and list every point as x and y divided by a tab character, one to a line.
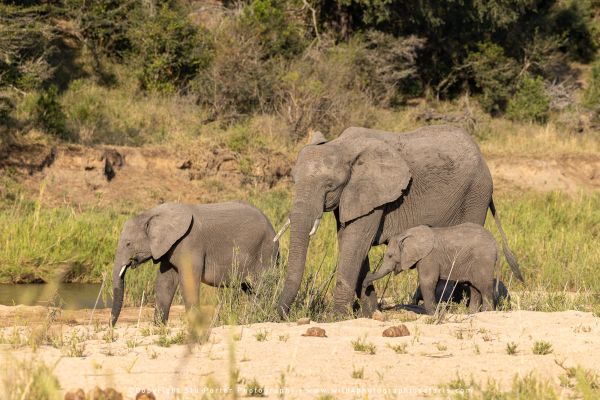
418	243
167	226
379	175
316	137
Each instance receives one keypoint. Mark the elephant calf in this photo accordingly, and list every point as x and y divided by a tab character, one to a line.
463	253
456	292
193	243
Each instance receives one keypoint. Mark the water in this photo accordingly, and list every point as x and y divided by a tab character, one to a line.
72	296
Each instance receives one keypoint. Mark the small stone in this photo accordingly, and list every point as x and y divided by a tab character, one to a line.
315	331
303	321
396	331
112	394
75	394
145	395
379	316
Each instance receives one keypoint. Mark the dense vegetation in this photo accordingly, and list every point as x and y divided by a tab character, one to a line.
319	64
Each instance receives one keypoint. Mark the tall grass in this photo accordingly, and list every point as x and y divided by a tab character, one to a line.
554	237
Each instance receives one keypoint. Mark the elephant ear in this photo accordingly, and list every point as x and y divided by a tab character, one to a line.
316	137
166	226
417	243
378	176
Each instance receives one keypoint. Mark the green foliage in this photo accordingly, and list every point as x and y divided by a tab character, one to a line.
542	348
573	20
279	31
530	102
49	114
170	51
106	25
494	74
592	93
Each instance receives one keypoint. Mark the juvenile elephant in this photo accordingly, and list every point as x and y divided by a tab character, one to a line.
379	184
193	243
456	292
462	253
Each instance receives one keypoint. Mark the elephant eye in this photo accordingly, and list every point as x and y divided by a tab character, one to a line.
128	244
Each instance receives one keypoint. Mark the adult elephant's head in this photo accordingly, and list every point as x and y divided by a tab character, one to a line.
352	174
149	235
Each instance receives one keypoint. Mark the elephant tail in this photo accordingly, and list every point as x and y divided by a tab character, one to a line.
508	254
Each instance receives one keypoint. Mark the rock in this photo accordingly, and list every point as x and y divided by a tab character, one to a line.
396	331
144	395
315	331
112	160
75	394
185	165
303	321
379	316
106	394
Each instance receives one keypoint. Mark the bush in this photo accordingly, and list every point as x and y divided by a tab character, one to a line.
49	114
170	51
530	103
591	97
325	90
388	67
494	74
279	31
240	79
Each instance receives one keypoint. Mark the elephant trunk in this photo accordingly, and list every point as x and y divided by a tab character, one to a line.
302	221
119	270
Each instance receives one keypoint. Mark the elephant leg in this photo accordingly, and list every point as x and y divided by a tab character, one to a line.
428	286
475	300
366	295
166	285
487	294
417	297
354	241
189	278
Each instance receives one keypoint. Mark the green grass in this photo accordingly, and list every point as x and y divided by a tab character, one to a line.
553	236
542	348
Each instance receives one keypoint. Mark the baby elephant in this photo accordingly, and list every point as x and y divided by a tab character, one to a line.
193	244
463	253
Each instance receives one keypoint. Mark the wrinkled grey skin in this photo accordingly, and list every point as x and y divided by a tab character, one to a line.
452	291
193	244
462	253
379	184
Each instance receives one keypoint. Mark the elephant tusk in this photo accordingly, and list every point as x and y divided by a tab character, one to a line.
282	230
315	227
123	268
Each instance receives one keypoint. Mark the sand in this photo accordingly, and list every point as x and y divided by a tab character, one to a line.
469	346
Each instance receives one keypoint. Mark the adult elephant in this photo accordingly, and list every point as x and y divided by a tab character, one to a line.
378	184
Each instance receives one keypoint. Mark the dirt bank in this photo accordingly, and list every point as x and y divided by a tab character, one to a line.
82	176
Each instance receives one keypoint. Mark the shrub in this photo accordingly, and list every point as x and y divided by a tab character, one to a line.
542	348
170	51
494	74
530	103
324	90
239	80
279	32
49	114
388	66
591	97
